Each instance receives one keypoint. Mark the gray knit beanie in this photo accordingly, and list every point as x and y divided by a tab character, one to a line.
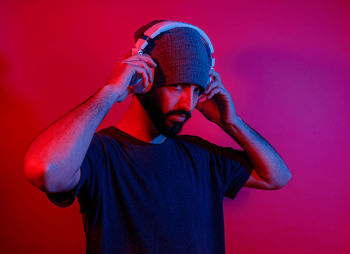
181	56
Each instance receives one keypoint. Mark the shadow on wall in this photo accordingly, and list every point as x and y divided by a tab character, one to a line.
295	93
299	102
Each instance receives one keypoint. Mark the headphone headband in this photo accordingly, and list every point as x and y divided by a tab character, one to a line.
164	26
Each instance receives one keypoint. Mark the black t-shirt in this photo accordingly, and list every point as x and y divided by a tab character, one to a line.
137	197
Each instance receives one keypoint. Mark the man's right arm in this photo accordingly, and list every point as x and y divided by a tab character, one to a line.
53	160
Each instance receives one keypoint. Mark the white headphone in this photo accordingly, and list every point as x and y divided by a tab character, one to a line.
164	26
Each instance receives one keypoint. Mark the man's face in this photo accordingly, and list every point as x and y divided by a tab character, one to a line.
169	107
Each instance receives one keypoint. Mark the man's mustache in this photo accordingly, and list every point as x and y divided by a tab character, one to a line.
179	112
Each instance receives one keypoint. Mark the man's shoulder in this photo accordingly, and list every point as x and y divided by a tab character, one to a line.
192	139
103	137
110	133
196	141
212	148
105	132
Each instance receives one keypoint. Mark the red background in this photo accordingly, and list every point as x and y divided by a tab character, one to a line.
286	64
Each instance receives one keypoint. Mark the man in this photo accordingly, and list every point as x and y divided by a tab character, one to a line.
141	187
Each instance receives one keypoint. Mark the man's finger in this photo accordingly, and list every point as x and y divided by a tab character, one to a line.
142	72
211	86
148	60
214	74
213	92
147	68
145	57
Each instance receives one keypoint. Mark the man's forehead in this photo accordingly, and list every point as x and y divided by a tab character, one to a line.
186	84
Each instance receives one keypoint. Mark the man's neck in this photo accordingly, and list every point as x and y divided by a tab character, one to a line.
137	123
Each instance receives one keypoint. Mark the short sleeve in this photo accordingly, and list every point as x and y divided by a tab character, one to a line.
232	166
239	169
91	162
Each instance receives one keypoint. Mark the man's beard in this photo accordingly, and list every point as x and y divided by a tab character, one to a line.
160	120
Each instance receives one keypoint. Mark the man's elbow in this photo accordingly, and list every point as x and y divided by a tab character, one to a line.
43	176
35	173
283	180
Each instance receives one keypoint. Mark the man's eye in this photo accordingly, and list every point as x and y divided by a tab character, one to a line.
198	91
177	86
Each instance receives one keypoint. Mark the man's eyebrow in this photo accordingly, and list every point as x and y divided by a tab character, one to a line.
202	90
188	84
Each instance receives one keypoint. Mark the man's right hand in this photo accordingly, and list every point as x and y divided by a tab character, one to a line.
53	160
125	69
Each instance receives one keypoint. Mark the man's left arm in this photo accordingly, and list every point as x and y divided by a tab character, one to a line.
269	170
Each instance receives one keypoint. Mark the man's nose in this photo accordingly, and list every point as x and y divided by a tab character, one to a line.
187	100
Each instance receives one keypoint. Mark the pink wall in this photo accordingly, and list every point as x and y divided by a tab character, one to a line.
286	64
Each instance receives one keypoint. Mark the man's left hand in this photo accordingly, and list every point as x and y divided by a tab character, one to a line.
218	106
